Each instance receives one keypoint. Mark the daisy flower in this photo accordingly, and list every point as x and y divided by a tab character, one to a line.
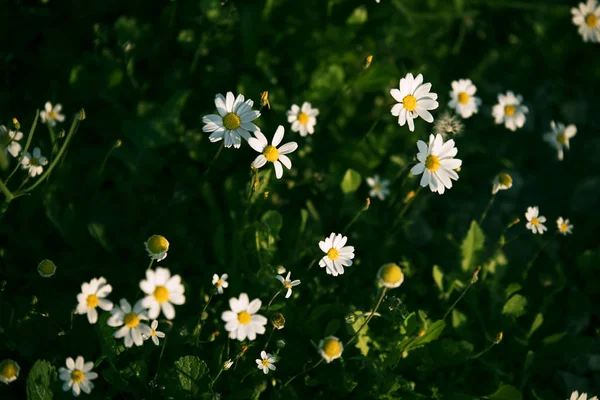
132	329
270	152
331	348
586	17
337	255
221	283
559	137
77	376
437	163
243	321
266	362
9	371
35	164
575	396
535	221
233	122
303	119
414	100
564	227
46	268
379	187
51	114
501	182
9	140
162	291
462	98
157	247
287	283
93	295
510	111
390	275
154	334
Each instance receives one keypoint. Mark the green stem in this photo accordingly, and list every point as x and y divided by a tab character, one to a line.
8	196
269	338
150	265
269	305
532	261
113	147
200	318
471	282
27	144
383	291
215	157
482	352
358	214
487	208
303	372
162	351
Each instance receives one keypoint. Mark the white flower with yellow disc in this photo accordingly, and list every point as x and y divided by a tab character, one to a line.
337	254
414	100
77	376
303	119
162	291
535	221
130	321
463	99
93	295
437	163
233	122
510	111
243	321
587	17
559	137
271	153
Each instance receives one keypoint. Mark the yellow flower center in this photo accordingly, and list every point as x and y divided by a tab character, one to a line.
463	98
153	333
77	376
377	187
157	244
8	369
391	273
535	221
47	267
219	283
591	20
51	115
409	102
244	318
34	161
432	163
265	363
271	153
92	301
561	138
131	320
332	347
161	294
303	118
231	121
333	254
563	227
287	284
505	179
509	110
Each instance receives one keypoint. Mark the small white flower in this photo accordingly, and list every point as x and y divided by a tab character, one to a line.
9	371
564	226
287	283
414	100
303	119
501	181
559	137
9	140
510	111
77	376
390	275
233	122
132	329
51	114
243	321
157	247
535	221
270	152
462	98
437	163
93	294
379	187
221	283
35	164
227	364
162	291
587	17
575	396
154	334
266	362
331	348
46	268
337	255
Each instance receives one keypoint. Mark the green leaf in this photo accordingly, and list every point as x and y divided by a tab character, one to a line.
274	221
557	337
505	392
359	16
438	277
458	318
351	181
332	327
537	322
512	289
515	306
409	325
40	378
472	247
189	370
432	333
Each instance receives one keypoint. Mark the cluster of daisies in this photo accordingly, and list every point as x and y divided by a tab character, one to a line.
535	222
33	162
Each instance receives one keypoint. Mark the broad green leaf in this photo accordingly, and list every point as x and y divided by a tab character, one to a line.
350	181
409	325
39	380
537	322
438	277
472	247
505	392
432	333
189	370
458	318
557	337
512	289
515	306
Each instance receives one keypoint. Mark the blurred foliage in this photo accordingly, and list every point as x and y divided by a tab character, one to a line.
147	73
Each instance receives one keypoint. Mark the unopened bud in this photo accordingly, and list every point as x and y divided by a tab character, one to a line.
227	364
118	143
475	277
81	114
264	99
61	134
514	222
368	61
255	183
280	344
409	196
16	124
244	348
367	204
422	332
267	194
278	320
498	338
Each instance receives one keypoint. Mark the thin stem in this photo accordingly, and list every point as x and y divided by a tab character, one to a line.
482	352
487	208
162	351
212	382
383	291
8	196
406	207
113	147
471	282
200	318
27	144
371	129
248	374
358	214
532	261
269	305
214	158
269	338
303	372
150	265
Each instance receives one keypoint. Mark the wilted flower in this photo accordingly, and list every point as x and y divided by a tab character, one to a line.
502	181
287	283
9	140
157	247
448	124
278	320
227	364
559	137
155	335
220	283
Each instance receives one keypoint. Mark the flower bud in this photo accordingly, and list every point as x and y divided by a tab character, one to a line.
46	268
278	321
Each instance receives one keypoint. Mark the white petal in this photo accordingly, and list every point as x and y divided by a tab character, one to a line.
278	136
278	169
